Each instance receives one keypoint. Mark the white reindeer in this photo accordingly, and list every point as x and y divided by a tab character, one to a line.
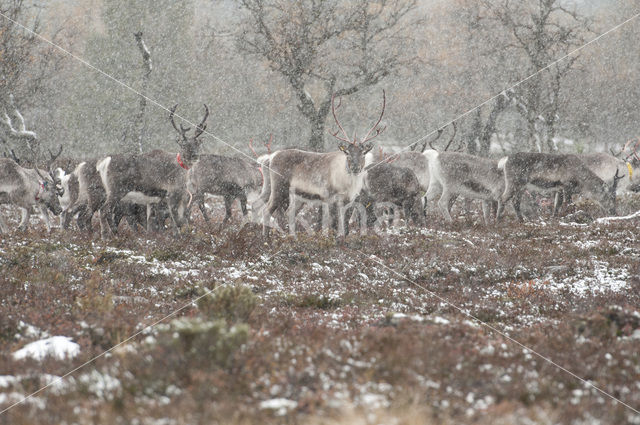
335	178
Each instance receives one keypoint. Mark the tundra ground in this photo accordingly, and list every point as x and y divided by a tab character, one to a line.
319	329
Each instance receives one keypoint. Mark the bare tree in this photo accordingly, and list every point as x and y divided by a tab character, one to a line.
26	67
14	127
543	31
325	47
139	123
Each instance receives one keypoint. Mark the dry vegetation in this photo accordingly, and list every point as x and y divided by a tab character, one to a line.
315	330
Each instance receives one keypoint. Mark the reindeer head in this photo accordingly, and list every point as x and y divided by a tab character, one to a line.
189	146
356	150
48	195
51	189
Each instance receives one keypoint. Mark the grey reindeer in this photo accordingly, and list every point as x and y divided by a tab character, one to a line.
224	176
151	176
27	187
454	174
547	171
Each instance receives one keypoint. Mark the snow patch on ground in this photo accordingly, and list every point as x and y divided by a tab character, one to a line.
603	279
59	347
102	385
279	406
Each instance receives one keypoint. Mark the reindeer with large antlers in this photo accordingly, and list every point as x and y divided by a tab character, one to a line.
335	178
149	177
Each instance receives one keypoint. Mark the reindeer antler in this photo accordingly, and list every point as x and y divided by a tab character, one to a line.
455	131
182	131
268	144
251	147
440	131
202	126
53	157
333	111
379	131
635	151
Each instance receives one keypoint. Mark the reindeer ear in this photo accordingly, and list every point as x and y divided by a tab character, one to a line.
343	147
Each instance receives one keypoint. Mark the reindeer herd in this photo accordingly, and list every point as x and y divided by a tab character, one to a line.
152	188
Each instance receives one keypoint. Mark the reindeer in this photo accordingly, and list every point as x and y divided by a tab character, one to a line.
264	163
392	185
546	171
84	194
334	178
225	176
627	166
26	188
153	175
454	174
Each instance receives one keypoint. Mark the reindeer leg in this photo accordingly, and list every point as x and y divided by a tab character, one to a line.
346	213
203	209
499	211
85	214
243	202
340	219
149	225
486	211
24	222
45	217
444	203
423	204
333	213
63	218
407	208
318	224
292	212
516	205
3	226
228	201
172	204
558	200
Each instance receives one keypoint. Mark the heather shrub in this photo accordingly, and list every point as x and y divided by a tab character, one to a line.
202	341
233	303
